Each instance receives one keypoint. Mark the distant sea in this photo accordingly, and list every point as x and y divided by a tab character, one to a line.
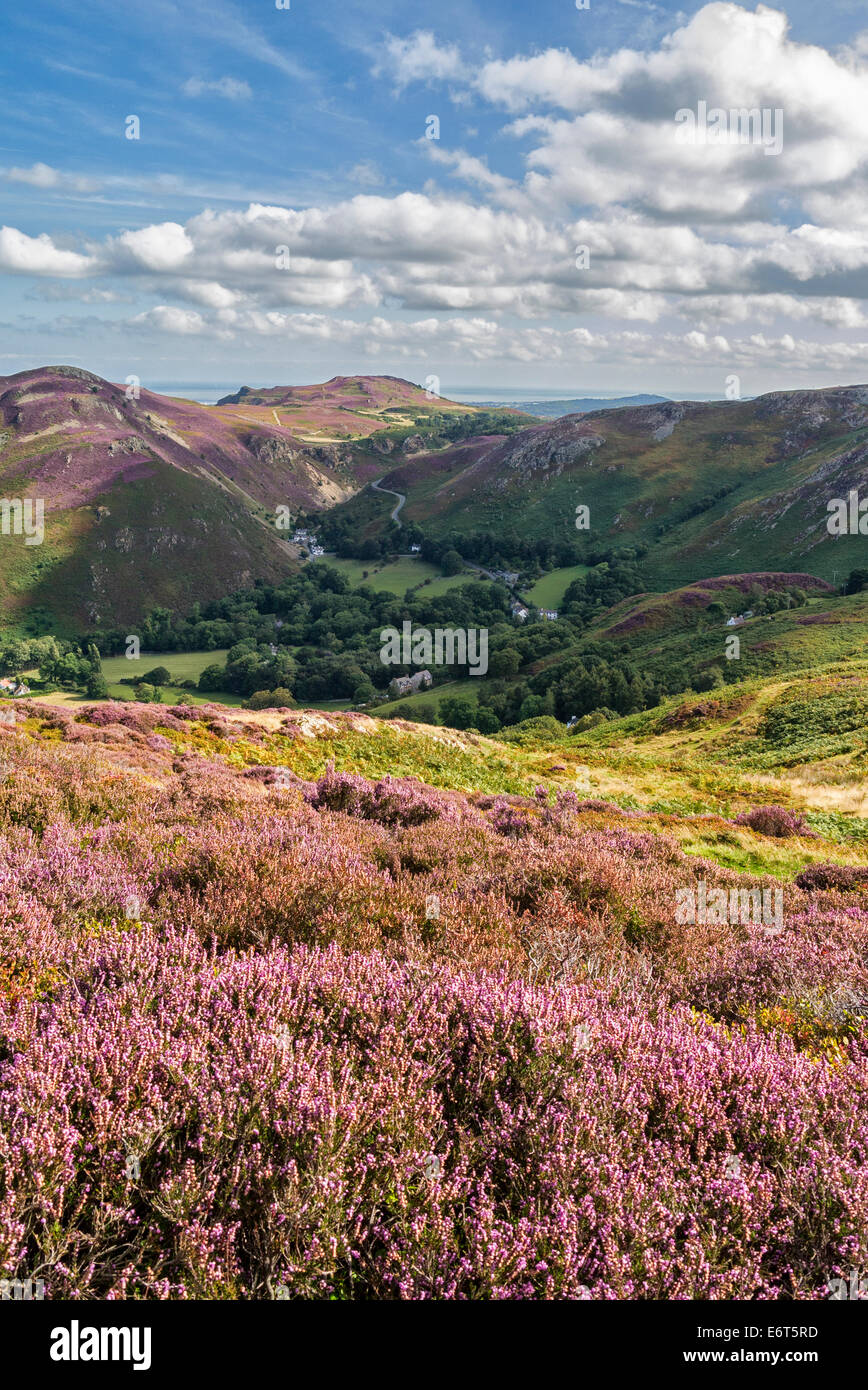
205	392
518	395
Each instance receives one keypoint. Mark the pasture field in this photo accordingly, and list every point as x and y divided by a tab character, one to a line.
397	577
466	688
182	666
549	591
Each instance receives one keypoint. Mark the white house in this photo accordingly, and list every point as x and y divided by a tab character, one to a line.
308	540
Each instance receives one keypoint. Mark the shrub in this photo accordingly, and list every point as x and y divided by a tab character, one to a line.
541	726
212	678
592	720
281	698
841	877
391	801
96	687
775	821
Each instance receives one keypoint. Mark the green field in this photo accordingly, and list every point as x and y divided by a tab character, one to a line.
171	696
397	577
183	666
468	688
549	591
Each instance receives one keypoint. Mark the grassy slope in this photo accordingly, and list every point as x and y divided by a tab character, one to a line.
467	689
659	632
549	591
780	462
713	754
683	769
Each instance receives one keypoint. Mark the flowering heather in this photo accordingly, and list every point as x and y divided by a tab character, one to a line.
837	876
774	820
390	801
238	1052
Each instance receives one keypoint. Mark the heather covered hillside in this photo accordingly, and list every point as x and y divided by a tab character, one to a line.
707	488
137	500
150	500
350	407
305	1005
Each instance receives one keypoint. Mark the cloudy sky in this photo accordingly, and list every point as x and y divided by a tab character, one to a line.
284	214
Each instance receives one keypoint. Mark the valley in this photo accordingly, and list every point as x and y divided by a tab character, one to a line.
166	519
631	849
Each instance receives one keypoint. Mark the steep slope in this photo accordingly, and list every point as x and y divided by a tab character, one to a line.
146	501
711	488
664	634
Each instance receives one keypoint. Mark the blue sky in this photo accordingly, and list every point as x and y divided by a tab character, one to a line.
305	128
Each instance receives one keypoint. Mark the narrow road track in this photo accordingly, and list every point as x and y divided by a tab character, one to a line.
401	498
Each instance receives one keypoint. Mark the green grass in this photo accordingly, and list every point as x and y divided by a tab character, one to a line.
423	755
467	688
351	569
397	577
171	696
549	591
183	666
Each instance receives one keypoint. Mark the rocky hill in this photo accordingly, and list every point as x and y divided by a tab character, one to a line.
709	488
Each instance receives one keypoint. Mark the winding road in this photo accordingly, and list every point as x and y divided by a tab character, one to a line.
401	498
